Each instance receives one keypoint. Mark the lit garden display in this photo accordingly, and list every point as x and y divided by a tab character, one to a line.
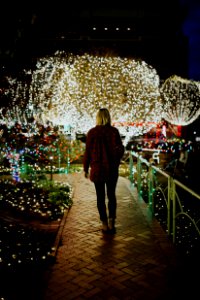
39	153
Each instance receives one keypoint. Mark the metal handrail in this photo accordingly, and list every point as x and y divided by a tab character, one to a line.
173	194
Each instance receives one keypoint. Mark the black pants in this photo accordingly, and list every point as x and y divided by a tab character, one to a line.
108	186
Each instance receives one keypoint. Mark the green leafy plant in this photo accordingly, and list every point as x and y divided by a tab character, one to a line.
60	198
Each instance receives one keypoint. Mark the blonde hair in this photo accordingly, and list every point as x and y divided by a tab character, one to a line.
103	117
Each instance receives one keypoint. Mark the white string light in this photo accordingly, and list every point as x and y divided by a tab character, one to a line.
68	89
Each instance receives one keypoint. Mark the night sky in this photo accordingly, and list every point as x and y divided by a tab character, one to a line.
168	37
191	28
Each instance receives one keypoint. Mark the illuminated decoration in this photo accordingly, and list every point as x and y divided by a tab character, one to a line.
67	89
181	100
14	162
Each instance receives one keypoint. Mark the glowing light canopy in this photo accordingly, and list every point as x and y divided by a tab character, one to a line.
75	87
68	89
181	100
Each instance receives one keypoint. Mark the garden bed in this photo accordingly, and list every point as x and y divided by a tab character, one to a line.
31	213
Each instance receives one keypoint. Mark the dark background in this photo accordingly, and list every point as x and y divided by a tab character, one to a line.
166	35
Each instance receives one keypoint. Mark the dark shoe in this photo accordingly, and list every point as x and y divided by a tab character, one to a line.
104	227
111	226
112	231
105	231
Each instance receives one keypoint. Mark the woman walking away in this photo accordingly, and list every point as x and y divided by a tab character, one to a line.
104	150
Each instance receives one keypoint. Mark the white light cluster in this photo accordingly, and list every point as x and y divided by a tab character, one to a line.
75	87
68	89
181	100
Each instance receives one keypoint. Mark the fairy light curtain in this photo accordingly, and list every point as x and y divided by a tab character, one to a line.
76	86
68	89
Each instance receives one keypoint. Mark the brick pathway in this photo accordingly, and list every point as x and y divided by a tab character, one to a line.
137	263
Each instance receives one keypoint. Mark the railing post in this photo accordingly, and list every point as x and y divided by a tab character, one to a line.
139	175
150	189
169	200
51	166
173	210
130	167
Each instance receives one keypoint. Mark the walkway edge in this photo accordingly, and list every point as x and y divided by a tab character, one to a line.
59	234
61	227
160	235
